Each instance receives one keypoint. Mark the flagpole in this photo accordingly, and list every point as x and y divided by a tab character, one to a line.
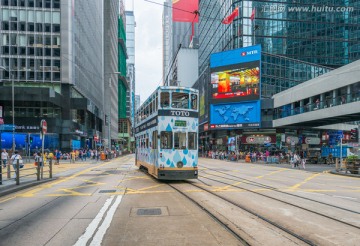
254	32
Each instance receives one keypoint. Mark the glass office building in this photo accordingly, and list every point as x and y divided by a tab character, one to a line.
300	40
44	46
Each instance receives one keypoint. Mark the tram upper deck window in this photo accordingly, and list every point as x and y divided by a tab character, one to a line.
194	101
180	140
180	100
165	99
166	140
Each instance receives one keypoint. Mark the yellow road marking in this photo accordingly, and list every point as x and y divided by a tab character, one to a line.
132	178
296	186
32	192
277	171
70	192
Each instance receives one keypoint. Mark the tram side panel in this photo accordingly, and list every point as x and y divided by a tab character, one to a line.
147	155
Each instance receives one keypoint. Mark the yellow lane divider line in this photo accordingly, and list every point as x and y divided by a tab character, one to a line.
296	186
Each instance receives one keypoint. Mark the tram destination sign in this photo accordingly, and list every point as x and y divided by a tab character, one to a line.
180	123
178	113
148	124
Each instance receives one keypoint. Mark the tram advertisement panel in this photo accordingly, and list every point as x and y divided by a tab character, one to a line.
235	75
235	115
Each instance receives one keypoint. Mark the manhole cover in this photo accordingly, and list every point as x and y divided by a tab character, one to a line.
149	211
107	191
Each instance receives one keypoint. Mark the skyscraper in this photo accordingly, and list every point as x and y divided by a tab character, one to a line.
44	48
299	41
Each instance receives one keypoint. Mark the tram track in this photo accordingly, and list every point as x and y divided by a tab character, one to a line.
257	184
285	202
226	224
208	212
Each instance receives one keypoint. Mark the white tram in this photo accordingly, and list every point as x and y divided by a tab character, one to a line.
167	133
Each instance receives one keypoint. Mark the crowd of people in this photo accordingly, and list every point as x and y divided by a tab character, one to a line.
57	155
293	158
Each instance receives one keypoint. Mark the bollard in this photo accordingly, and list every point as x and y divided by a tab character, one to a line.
17	171
50	168
42	168
337	164
38	171
1	164
8	170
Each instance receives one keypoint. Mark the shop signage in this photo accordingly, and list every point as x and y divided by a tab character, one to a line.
292	140
206	127
258	139
312	140
43	125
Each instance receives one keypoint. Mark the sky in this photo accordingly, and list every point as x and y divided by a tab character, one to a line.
148	45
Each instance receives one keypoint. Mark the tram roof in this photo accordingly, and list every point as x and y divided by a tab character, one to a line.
169	88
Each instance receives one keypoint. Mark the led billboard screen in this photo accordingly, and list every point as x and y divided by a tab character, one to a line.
235	83
236	75
235	115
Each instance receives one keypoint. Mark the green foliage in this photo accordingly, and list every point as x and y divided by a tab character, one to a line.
352	158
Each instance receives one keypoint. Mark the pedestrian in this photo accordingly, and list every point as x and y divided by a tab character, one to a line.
14	158
4	157
296	160
58	156
303	160
39	160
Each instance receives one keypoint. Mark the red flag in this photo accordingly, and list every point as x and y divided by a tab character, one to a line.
252	17
185	10
229	19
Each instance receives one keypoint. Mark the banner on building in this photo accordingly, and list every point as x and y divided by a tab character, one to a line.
185	10
235	115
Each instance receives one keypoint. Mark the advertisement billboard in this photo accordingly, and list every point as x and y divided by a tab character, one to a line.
236	75
235	115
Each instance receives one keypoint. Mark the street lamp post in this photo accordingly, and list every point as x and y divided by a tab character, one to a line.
109	120
13	106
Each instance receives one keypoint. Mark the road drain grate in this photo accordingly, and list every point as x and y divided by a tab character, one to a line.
149	211
107	191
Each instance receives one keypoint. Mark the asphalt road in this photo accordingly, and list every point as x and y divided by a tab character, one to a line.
113	203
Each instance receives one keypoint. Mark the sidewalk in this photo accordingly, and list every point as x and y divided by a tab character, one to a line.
308	167
28	176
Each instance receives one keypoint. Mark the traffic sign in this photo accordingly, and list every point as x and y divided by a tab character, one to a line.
43	126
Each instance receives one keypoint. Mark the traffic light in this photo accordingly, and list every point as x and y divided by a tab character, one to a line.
354	134
31	140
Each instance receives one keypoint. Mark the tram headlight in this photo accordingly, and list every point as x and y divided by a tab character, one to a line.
179	164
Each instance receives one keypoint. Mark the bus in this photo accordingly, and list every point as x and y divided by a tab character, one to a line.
166	133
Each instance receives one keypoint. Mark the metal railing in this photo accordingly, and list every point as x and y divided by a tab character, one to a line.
36	171
317	105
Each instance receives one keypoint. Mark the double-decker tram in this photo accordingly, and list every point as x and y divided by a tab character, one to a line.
166	133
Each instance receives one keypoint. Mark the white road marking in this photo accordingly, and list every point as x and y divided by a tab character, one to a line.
94	224
97	240
312	193
346	197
